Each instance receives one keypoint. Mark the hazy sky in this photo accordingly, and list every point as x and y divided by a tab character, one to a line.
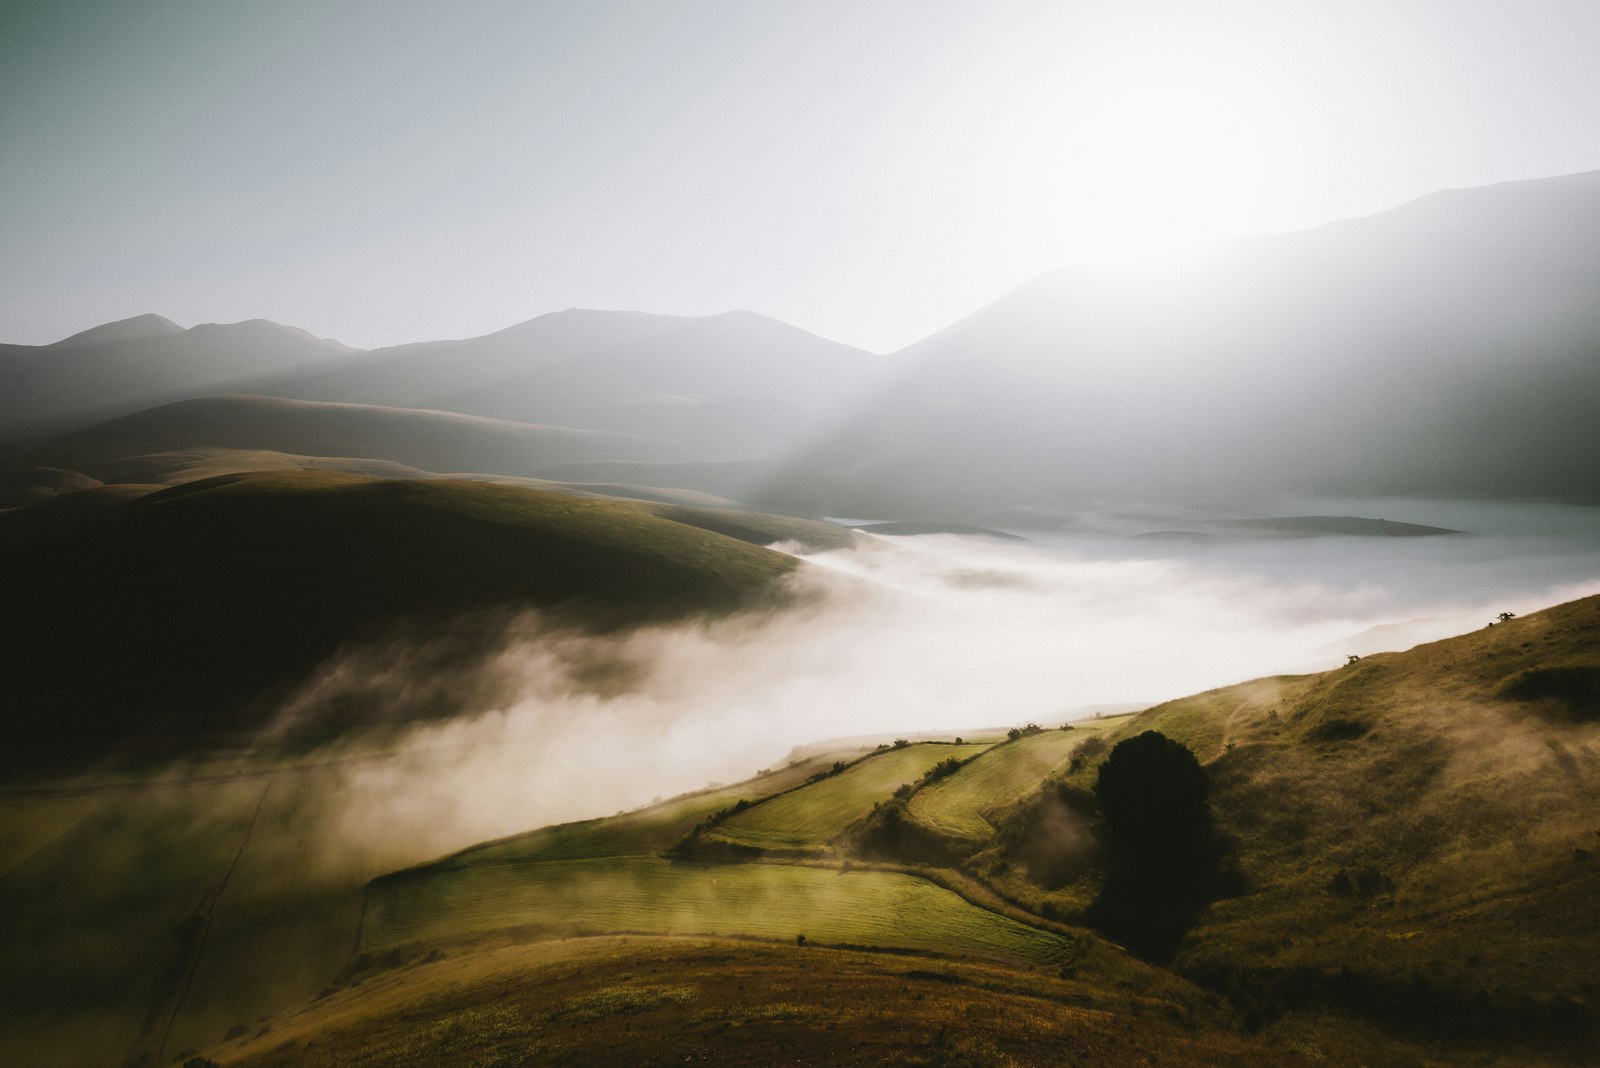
397	170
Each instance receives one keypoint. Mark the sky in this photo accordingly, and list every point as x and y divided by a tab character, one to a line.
383	172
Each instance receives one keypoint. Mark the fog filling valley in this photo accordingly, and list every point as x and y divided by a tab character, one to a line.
933	633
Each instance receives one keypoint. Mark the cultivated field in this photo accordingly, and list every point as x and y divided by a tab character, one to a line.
655	896
645	832
811	816
954	806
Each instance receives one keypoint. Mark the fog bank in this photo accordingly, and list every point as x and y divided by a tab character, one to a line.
930	633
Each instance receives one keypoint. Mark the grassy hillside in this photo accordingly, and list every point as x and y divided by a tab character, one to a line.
97	915
810	817
1414	836
1416	830
552	899
193	602
955	806
647	832
654	1001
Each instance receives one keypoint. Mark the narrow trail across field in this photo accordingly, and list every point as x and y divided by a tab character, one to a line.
204	912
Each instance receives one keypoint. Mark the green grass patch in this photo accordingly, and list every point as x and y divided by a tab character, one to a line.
646	832
954	806
98	921
811	816
653	896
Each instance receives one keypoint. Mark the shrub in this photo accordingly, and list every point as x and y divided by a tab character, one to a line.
1162	857
890	834
1087	750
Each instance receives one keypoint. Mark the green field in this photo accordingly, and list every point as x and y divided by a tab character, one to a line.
286	925
96	919
812	815
954	806
655	896
646	832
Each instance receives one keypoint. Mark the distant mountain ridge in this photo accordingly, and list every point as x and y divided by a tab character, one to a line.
121	367
1449	347
139	326
738	384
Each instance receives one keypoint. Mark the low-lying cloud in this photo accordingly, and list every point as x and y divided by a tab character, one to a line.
933	633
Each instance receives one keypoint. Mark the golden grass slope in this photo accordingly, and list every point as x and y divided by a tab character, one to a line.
1408	820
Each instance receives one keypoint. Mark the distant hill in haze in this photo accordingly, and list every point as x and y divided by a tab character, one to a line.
144	445
1450	346
124	366
737	385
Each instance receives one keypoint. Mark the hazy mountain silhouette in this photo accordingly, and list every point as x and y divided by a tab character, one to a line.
128	365
135	329
739	385
1450	346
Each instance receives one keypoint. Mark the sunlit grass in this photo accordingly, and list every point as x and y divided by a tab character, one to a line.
811	816
955	805
659	897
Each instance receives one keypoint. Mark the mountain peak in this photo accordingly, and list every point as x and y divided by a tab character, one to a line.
139	326
264	329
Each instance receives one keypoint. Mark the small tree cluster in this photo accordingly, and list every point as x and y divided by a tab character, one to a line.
947	766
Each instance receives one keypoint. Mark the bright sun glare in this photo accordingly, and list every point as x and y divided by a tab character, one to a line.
1135	159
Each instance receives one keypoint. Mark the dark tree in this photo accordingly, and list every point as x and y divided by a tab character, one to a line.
1161	854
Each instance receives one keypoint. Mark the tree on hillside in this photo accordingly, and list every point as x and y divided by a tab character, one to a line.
1161	853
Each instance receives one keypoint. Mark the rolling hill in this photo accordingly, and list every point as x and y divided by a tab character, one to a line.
1413	836
196	603
141	447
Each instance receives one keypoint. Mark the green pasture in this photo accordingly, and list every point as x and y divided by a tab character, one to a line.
97	922
812	815
645	832
655	896
954	806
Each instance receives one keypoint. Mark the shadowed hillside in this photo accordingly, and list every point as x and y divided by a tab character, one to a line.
195	604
